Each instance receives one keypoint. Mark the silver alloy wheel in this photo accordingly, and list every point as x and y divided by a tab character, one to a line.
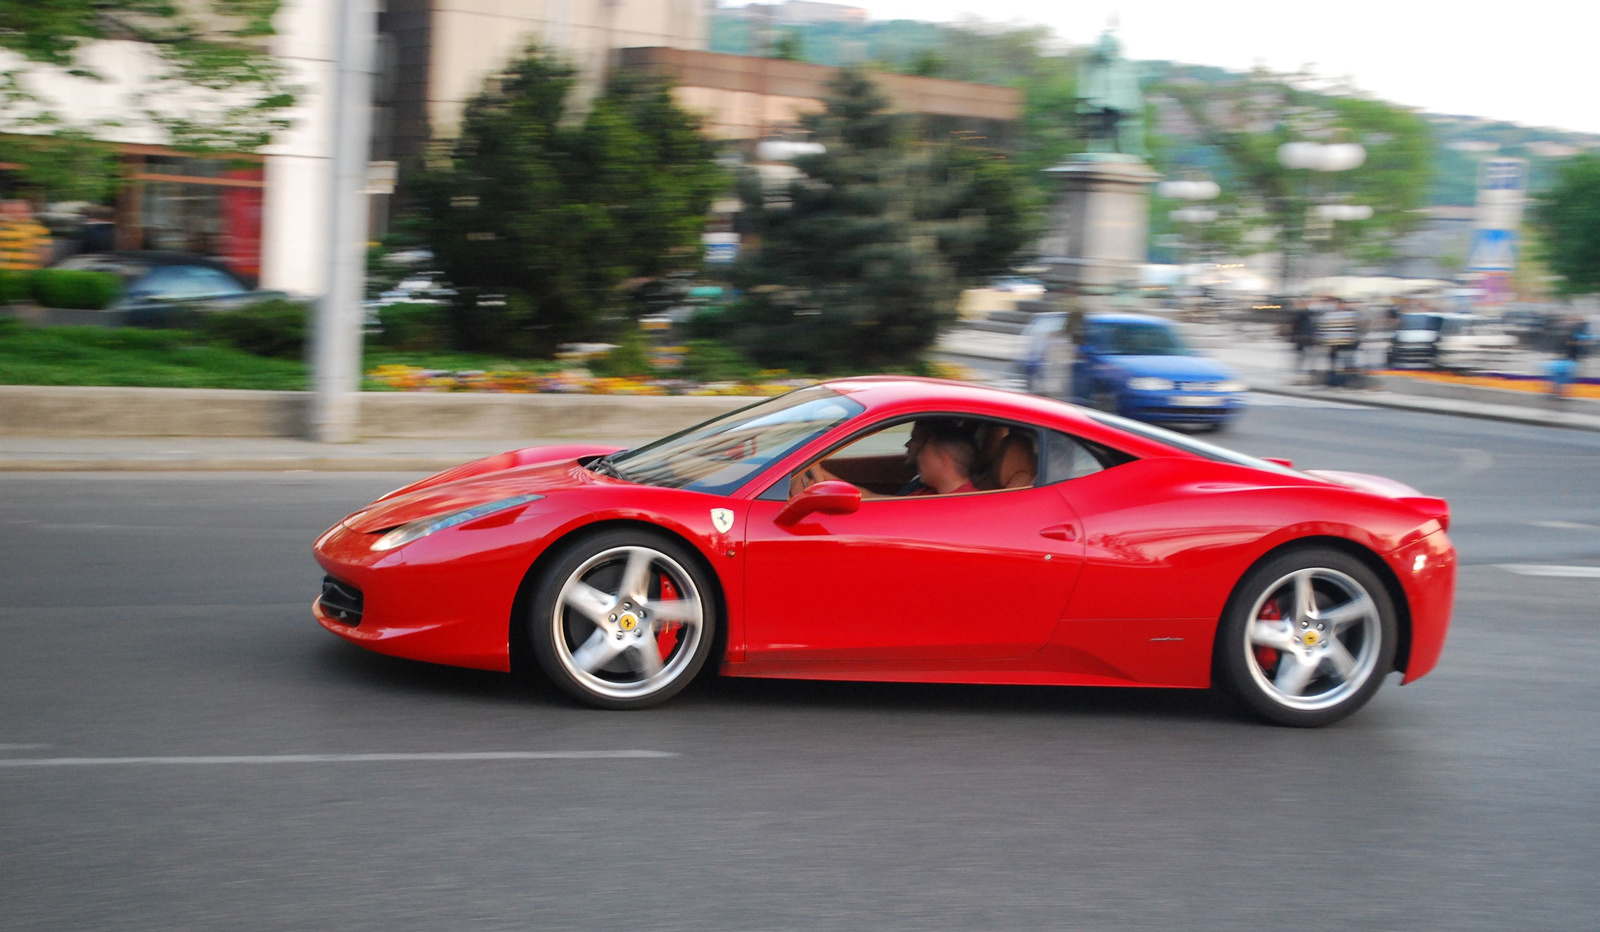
1327	645
606	623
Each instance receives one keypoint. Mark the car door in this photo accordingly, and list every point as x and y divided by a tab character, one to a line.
970	577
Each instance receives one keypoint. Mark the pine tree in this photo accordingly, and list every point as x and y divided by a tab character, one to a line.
539	222
861	258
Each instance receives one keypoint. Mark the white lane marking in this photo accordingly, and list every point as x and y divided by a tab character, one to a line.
1552	569
331	758
22	747
1565	525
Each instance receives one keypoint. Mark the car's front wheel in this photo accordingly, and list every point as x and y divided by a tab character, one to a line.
1307	638
623	619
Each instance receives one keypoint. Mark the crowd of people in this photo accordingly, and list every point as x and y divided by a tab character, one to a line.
1326	334
1329	337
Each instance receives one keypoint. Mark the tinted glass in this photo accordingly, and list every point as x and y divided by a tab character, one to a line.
1069	457
1418	322
1129	339
187	281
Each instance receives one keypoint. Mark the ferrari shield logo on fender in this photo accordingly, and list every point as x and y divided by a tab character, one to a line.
722	520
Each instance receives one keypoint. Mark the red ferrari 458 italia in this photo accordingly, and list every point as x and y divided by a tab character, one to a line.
903	529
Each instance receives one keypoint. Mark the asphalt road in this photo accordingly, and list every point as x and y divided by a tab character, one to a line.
167	616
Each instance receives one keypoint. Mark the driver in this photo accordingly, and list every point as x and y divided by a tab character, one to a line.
942	451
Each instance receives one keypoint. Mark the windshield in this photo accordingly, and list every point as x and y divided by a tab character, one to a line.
1188	444
725	452
1419	322
1138	340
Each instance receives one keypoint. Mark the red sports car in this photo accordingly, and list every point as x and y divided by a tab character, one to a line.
902	529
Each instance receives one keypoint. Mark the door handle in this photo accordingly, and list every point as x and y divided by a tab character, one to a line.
1060	532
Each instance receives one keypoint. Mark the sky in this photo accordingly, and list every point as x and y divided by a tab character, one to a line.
1533	62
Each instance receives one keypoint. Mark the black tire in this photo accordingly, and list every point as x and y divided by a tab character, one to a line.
1306	668
615	642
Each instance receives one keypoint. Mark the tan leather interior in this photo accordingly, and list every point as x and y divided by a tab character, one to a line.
887	473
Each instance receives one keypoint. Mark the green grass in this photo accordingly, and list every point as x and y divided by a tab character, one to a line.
131	356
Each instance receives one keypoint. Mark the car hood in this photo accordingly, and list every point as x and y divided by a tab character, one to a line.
1175	368
477	483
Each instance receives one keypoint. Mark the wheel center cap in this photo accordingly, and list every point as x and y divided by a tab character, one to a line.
627	621
1310	638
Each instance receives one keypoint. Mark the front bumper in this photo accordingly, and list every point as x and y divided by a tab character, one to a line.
447	598
1179	407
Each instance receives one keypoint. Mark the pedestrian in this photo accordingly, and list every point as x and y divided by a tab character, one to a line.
1302	333
24	241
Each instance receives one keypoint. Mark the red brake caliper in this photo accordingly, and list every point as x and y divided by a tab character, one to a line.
1267	656
667	634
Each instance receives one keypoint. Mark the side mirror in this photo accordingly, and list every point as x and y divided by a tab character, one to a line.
1281	461
830	498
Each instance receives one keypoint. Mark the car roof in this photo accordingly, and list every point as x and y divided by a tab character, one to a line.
910	393
896	396
1123	317
152	258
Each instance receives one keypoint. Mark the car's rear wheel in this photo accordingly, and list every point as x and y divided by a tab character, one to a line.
623	619
1307	638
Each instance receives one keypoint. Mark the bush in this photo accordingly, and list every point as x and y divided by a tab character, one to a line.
711	361
631	356
81	290
414	327
275	327
15	286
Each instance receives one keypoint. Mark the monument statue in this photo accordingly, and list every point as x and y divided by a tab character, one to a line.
1109	100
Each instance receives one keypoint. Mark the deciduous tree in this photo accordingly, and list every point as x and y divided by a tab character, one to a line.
1568	216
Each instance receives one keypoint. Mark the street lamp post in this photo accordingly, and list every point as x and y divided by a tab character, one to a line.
1193	215
1322	157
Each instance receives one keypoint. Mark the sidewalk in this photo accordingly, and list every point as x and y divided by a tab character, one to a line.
1267	364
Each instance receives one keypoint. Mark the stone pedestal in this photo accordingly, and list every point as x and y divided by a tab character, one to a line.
1099	226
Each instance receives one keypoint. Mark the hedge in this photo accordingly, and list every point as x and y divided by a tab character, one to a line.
68	288
273	327
15	285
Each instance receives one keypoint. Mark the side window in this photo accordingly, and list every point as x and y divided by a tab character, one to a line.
207	281
954	454
1068	457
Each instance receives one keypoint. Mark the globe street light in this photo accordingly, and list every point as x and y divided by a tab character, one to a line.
1323	157
1190	190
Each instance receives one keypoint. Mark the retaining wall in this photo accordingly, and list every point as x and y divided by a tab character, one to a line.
93	411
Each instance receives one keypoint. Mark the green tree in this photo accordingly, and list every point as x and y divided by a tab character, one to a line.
1238	124
1568	217
216	86
539	220
860	259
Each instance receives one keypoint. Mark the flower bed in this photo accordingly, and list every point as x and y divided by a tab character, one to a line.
571	381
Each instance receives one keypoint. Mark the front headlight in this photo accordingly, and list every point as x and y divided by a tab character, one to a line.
1149	383
1231	386
406	533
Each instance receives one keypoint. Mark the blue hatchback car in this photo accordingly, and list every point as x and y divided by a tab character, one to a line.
1140	367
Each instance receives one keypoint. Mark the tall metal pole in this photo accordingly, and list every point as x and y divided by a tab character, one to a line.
336	353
